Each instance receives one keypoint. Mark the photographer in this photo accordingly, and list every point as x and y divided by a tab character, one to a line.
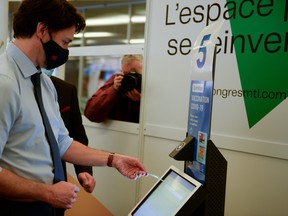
119	97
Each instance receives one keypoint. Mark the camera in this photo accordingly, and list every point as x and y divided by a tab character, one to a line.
130	81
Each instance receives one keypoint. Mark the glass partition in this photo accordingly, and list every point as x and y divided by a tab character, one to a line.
112	22
93	71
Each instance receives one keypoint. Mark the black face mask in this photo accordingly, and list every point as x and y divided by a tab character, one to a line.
55	54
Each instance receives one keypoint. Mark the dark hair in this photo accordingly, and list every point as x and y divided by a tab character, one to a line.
56	14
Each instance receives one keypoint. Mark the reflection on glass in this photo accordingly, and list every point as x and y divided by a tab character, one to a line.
111	23
110	86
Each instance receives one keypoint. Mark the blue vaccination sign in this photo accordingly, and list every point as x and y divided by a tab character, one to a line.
201	96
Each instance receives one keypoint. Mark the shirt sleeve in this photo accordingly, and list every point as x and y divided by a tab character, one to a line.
102	102
9	108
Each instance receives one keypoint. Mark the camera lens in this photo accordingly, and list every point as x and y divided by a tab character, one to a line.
131	81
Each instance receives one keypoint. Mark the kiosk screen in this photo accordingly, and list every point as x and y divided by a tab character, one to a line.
168	195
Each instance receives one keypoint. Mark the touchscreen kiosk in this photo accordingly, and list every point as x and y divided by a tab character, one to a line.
168	195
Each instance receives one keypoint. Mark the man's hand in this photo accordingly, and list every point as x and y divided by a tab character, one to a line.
129	166
87	181
134	95
117	80
63	195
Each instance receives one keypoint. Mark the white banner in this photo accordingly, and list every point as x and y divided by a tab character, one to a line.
250	90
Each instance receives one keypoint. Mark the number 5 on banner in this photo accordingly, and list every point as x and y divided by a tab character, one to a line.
203	49
203	52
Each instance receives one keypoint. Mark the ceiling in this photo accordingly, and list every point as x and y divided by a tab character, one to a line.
107	21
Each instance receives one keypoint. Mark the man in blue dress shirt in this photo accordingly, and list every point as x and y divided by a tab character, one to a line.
43	30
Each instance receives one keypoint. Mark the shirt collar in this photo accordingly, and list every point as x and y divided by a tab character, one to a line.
25	65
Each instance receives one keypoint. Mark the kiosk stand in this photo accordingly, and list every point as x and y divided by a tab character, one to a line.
209	200
203	160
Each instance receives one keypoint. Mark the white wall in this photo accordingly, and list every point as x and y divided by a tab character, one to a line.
256	185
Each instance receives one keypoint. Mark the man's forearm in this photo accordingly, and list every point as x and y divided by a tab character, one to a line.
82	155
16	188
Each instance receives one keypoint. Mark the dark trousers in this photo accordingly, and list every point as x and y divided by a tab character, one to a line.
13	208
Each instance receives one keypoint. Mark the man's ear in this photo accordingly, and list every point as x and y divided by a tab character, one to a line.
41	30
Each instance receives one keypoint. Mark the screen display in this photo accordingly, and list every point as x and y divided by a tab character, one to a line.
167	196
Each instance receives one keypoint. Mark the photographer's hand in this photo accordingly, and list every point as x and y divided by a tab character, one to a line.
117	80
134	95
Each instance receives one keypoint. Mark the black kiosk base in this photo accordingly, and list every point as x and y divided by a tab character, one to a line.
209	200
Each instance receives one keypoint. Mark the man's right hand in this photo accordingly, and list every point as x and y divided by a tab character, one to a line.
117	80
63	195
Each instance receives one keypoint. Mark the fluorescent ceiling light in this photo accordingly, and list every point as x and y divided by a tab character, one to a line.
138	19
115	20
134	41
137	41
94	34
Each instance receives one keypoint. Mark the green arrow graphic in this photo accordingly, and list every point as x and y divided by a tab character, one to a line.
260	37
